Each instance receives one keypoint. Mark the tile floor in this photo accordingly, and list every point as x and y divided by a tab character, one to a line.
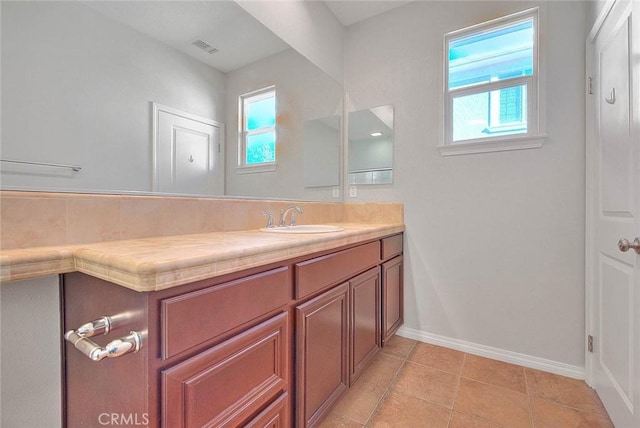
413	384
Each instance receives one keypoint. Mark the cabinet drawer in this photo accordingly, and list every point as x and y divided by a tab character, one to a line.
315	274
391	246
229	383
193	318
274	416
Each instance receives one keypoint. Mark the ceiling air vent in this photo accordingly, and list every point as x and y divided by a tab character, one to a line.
201	44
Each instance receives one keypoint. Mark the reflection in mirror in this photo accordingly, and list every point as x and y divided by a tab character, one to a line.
80	81
321	151
370	149
303	92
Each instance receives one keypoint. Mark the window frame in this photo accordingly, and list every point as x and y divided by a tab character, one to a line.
534	137
244	134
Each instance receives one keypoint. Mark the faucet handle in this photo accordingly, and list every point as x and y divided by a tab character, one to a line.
269	218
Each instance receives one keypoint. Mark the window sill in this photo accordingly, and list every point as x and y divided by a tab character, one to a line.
252	169
515	143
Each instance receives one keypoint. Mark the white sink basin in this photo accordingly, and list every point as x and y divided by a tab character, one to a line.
303	228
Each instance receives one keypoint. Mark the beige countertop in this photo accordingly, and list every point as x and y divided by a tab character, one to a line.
153	264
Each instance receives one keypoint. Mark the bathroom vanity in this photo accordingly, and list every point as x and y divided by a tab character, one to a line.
270	333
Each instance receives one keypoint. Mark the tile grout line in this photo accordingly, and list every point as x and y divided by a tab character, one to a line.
493	386
558	403
404	361
384	394
526	388
455	394
528	392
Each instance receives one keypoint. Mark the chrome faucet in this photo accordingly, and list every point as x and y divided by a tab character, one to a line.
283	215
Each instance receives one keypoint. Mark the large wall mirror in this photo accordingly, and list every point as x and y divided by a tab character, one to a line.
370	149
321	147
88	84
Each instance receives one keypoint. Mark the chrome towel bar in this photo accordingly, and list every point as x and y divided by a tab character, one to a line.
75	168
102	326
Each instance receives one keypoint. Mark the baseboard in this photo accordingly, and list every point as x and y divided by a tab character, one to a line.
562	369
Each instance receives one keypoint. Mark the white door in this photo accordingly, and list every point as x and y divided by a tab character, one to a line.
187	153
613	204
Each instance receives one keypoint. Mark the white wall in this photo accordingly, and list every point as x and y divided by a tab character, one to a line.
595	7
76	89
494	242
30	366
307	26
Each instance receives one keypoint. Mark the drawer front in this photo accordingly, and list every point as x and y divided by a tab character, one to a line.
315	274
274	416
391	246
194	318
229	383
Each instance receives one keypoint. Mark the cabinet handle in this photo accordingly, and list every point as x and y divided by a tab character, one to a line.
100	325
116	348
105	324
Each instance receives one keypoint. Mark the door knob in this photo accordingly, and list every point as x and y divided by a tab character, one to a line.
624	245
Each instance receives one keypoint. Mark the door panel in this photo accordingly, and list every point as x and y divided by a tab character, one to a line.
392	298
189	155
613	315
365	320
615	291
615	159
322	354
187	152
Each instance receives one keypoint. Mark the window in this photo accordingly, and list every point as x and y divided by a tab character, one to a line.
257	150
491	86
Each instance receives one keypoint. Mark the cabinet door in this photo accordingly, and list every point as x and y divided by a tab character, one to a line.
322	333
392	297
365	320
230	383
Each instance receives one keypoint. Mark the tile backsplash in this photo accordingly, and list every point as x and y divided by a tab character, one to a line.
35	219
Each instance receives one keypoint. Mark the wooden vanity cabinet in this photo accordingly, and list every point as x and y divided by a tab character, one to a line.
338	331
273	346
213	354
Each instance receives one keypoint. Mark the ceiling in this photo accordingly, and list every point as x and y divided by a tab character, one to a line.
239	38
351	11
